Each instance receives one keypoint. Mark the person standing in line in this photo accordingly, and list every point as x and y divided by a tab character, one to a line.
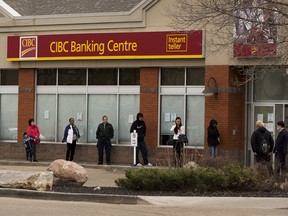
104	134
140	127
178	129
34	133
280	149
213	138
71	136
261	138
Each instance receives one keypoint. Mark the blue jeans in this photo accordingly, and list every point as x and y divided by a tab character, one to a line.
144	151
213	151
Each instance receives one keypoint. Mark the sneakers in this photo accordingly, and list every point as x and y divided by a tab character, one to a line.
149	164
139	165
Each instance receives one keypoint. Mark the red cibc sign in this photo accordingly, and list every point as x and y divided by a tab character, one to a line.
133	45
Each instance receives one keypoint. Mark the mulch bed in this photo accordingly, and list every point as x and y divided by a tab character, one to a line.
121	191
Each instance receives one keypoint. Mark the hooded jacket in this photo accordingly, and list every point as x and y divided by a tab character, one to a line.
213	134
256	139
140	127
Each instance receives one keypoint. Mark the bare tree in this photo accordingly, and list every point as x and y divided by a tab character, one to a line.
256	30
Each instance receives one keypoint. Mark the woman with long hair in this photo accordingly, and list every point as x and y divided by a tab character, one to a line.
178	129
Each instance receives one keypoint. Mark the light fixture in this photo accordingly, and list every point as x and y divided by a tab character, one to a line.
211	90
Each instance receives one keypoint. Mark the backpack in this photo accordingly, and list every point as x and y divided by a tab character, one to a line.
264	145
183	138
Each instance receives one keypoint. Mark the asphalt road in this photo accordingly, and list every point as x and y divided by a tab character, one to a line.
27	207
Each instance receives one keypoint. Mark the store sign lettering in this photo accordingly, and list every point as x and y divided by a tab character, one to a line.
136	45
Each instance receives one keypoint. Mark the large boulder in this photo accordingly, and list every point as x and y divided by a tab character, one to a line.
68	172
40	181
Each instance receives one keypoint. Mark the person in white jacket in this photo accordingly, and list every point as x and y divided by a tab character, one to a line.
178	129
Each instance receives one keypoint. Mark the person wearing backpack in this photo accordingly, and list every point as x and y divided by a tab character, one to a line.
280	149
262	145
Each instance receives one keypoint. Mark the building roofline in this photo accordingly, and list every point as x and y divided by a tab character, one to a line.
9	10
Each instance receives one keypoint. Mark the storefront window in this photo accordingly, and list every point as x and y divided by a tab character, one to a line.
172	76
9	117
56	105
129	76
274	86
9	77
72	76
195	76
171	107
128	107
71	106
98	106
46	77
46	116
102	76
184	100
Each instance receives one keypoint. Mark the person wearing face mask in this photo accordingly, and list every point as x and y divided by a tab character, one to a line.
280	149
213	138
34	133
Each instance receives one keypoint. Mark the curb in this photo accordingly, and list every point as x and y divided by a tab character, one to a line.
77	197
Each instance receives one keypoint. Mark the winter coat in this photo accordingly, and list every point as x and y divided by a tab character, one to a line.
281	142
213	135
34	133
104	133
256	139
140	128
69	132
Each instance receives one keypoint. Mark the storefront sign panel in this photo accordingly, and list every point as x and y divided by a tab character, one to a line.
136	45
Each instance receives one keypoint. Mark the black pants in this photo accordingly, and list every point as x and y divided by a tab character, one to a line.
280	163
104	143
33	145
266	160
141	145
178	154
70	150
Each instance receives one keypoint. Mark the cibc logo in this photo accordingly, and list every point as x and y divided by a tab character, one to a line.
28	47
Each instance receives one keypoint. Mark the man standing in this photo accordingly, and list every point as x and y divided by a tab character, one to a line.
140	127
104	134
280	149
262	145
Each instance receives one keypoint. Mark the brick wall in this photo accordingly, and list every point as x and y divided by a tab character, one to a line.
26	99
149	82
228	108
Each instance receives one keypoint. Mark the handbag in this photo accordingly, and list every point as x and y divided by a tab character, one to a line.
183	138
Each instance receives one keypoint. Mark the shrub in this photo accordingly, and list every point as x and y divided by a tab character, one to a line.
198	180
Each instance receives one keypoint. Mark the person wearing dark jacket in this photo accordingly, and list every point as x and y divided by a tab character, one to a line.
71	135
140	127
213	138
280	149
256	141
104	134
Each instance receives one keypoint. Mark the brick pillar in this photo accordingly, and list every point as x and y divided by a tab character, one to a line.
26	99
149	103
228	108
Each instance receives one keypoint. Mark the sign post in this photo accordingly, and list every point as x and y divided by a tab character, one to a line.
134	141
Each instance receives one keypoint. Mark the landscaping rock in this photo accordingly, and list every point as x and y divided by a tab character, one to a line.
67	172
191	164
40	181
